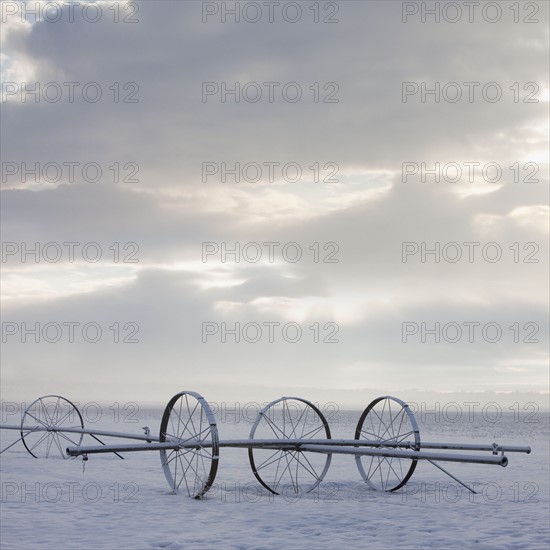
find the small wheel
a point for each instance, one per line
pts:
(289, 470)
(189, 419)
(390, 423)
(42, 426)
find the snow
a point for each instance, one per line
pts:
(115, 503)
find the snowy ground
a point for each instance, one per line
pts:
(126, 503)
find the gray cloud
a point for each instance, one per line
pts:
(368, 214)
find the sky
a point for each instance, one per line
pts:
(347, 301)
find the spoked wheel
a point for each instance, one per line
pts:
(390, 423)
(188, 419)
(289, 471)
(43, 423)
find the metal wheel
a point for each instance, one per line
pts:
(42, 426)
(189, 419)
(289, 471)
(389, 422)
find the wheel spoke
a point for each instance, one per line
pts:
(45, 412)
(176, 454)
(38, 420)
(305, 422)
(191, 423)
(49, 414)
(311, 469)
(401, 423)
(277, 470)
(190, 464)
(383, 424)
(402, 437)
(48, 447)
(62, 419)
(288, 468)
(58, 445)
(268, 461)
(274, 427)
(289, 418)
(369, 475)
(315, 431)
(66, 437)
(390, 422)
(46, 434)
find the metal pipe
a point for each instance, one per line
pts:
(13, 427)
(370, 443)
(122, 435)
(474, 447)
(253, 443)
(122, 448)
(285, 445)
(496, 460)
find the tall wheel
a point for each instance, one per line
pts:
(188, 419)
(390, 423)
(42, 426)
(287, 470)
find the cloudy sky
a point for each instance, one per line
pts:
(162, 120)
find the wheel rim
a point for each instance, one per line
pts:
(289, 471)
(389, 422)
(189, 419)
(42, 426)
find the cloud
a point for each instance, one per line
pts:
(351, 202)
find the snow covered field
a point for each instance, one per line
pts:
(117, 503)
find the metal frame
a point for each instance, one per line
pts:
(388, 428)
(192, 435)
(189, 444)
(297, 468)
(49, 412)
